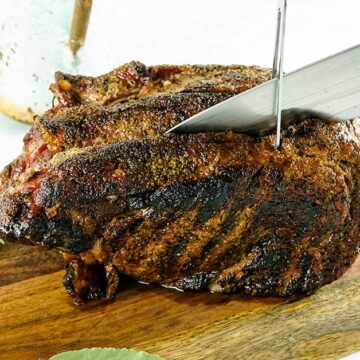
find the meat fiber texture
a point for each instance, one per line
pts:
(99, 180)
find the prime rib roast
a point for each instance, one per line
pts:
(99, 180)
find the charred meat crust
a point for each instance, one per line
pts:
(85, 122)
(224, 211)
(89, 125)
(135, 80)
(98, 181)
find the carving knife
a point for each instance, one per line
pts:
(327, 89)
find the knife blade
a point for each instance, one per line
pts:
(327, 89)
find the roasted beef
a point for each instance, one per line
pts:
(100, 181)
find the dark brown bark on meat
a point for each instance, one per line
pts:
(221, 211)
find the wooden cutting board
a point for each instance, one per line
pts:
(37, 320)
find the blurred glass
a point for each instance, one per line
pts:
(33, 46)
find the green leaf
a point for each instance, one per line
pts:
(105, 354)
(2, 242)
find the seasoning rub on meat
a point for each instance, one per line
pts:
(100, 181)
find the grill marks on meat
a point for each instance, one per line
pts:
(224, 211)
(221, 211)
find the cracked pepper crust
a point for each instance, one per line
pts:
(221, 211)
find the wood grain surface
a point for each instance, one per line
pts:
(37, 320)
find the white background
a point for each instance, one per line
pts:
(204, 31)
(201, 31)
